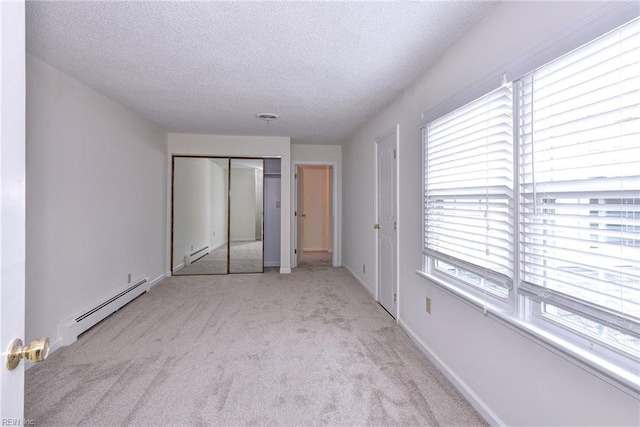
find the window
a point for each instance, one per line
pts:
(579, 138)
(558, 222)
(469, 193)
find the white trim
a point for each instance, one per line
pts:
(622, 379)
(178, 268)
(316, 250)
(285, 271)
(220, 245)
(350, 271)
(602, 19)
(157, 280)
(478, 404)
(336, 223)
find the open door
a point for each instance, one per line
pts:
(12, 203)
(299, 212)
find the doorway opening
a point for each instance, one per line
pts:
(314, 220)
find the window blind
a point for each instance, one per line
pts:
(579, 171)
(468, 200)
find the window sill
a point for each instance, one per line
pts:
(625, 380)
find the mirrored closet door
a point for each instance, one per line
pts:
(217, 215)
(246, 216)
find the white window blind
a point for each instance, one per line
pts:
(579, 141)
(469, 191)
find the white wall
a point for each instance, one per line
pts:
(332, 155)
(96, 200)
(259, 191)
(317, 225)
(219, 201)
(243, 146)
(193, 207)
(518, 381)
(243, 204)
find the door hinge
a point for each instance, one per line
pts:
(295, 251)
(295, 213)
(296, 176)
(395, 225)
(395, 297)
(394, 153)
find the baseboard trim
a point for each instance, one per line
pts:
(285, 271)
(178, 267)
(272, 263)
(316, 250)
(213, 248)
(478, 404)
(346, 267)
(157, 280)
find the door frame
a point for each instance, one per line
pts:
(336, 221)
(394, 130)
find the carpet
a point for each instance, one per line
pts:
(308, 348)
(246, 257)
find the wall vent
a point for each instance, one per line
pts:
(72, 328)
(194, 256)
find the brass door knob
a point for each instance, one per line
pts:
(376, 226)
(37, 351)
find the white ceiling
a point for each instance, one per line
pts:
(210, 67)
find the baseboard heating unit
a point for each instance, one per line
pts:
(194, 256)
(72, 328)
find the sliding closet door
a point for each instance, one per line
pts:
(246, 212)
(200, 215)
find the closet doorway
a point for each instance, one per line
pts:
(217, 215)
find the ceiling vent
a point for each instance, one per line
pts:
(267, 117)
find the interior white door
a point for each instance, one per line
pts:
(12, 203)
(299, 214)
(386, 226)
(272, 198)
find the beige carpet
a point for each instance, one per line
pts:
(246, 257)
(305, 349)
(312, 259)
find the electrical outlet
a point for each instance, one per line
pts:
(364, 268)
(428, 305)
(129, 278)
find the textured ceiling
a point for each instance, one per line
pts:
(210, 67)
